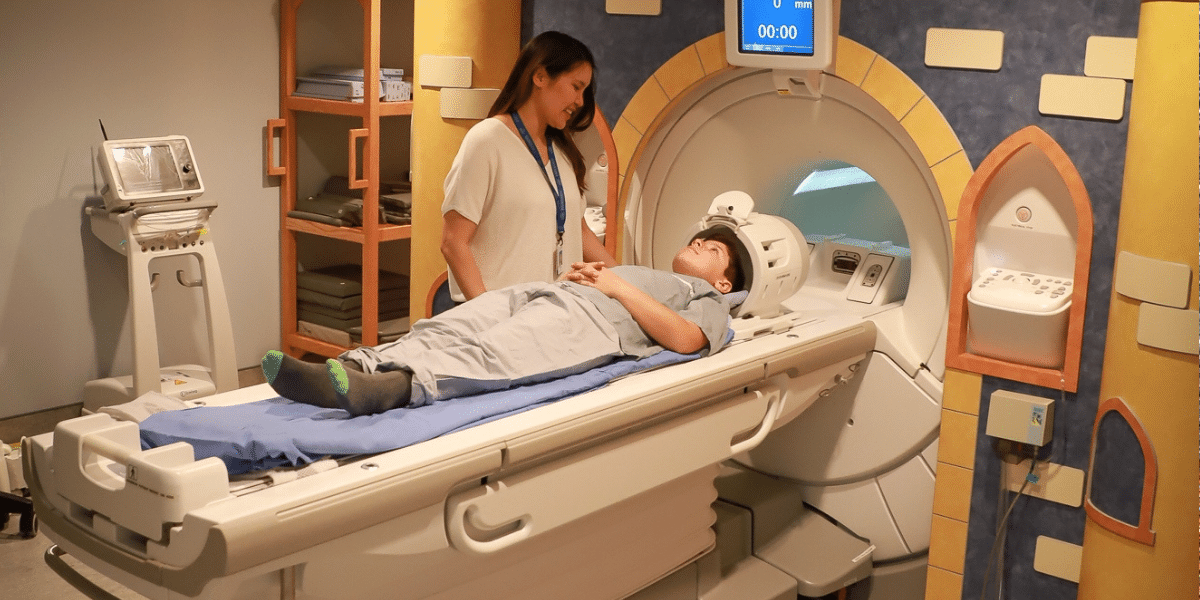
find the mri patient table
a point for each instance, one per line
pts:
(593, 496)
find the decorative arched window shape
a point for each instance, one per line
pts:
(1140, 531)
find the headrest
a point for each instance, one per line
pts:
(772, 254)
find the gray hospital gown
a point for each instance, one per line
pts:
(534, 332)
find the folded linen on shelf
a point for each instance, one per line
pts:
(389, 330)
(345, 208)
(342, 281)
(386, 298)
(342, 324)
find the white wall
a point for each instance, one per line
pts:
(208, 70)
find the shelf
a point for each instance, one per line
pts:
(387, 233)
(377, 144)
(340, 107)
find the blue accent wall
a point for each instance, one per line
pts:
(983, 108)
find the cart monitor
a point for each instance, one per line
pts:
(148, 171)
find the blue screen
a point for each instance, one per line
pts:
(776, 27)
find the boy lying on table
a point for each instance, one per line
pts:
(531, 332)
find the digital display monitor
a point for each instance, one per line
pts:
(776, 27)
(786, 35)
(148, 171)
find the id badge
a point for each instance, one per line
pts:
(558, 257)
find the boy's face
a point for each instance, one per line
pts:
(706, 259)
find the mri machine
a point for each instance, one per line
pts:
(798, 460)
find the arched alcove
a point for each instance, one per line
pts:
(1028, 167)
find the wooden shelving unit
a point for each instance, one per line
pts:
(363, 171)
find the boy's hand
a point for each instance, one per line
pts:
(597, 276)
(580, 271)
(663, 325)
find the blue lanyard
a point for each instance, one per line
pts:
(560, 201)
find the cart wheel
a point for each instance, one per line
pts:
(32, 530)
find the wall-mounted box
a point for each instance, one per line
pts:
(1020, 418)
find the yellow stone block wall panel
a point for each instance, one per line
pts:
(929, 129)
(952, 175)
(892, 88)
(853, 61)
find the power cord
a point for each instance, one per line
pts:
(1001, 532)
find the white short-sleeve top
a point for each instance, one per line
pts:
(495, 183)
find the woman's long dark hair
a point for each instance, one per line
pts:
(558, 53)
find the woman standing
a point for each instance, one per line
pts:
(513, 208)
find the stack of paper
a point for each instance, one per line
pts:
(346, 83)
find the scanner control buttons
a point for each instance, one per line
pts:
(1021, 289)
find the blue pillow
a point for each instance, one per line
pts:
(736, 299)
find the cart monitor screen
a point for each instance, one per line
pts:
(149, 170)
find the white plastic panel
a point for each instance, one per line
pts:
(1056, 483)
(504, 513)
(861, 508)
(633, 7)
(1026, 219)
(878, 419)
(930, 454)
(1058, 558)
(908, 491)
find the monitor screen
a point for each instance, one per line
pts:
(784, 35)
(776, 27)
(149, 171)
(146, 168)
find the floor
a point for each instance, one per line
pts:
(24, 573)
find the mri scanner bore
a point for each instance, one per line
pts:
(854, 229)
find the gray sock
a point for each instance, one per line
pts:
(360, 393)
(297, 380)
